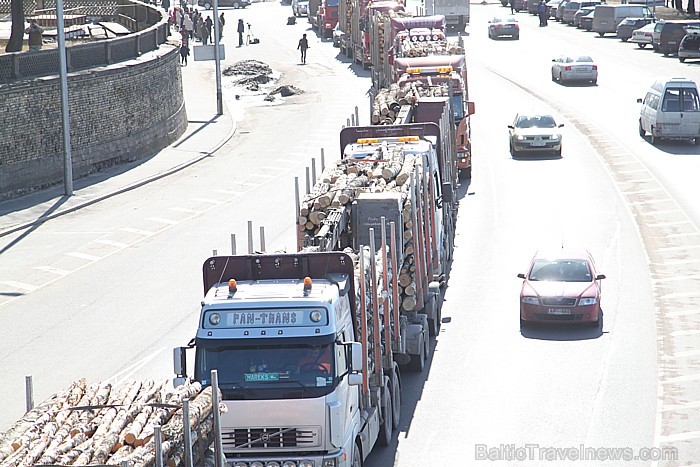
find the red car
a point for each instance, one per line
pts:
(561, 286)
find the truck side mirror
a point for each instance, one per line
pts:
(180, 361)
(356, 356)
(355, 379)
(471, 110)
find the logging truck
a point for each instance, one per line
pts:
(438, 68)
(456, 12)
(309, 346)
(323, 16)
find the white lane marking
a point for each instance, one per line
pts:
(682, 234)
(661, 224)
(270, 167)
(680, 436)
(687, 405)
(137, 231)
(653, 201)
(681, 379)
(229, 192)
(642, 192)
(207, 200)
(20, 285)
(653, 213)
(685, 333)
(672, 248)
(678, 278)
(250, 184)
(85, 256)
(692, 293)
(187, 210)
(127, 372)
(52, 270)
(674, 314)
(163, 220)
(112, 243)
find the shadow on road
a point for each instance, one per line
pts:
(562, 332)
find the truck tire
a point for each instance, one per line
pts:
(356, 455)
(386, 430)
(396, 397)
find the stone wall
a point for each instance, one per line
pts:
(119, 113)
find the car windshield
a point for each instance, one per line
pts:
(260, 371)
(560, 270)
(582, 58)
(535, 121)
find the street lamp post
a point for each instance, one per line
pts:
(217, 59)
(63, 73)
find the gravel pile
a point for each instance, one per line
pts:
(284, 91)
(248, 67)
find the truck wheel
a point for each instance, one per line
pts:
(356, 456)
(387, 428)
(434, 324)
(396, 396)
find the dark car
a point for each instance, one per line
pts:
(209, 4)
(629, 25)
(587, 21)
(519, 5)
(561, 286)
(558, 15)
(580, 13)
(690, 45)
(569, 13)
(668, 35)
(500, 26)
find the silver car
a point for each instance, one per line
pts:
(643, 35)
(574, 68)
(533, 132)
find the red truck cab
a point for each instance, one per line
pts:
(327, 17)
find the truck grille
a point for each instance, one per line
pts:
(270, 438)
(559, 301)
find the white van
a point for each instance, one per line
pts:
(671, 110)
(606, 18)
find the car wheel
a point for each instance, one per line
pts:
(516, 37)
(623, 39)
(599, 321)
(652, 139)
(641, 46)
(594, 82)
(601, 34)
(560, 80)
(207, 6)
(642, 133)
(682, 60)
(558, 152)
(236, 5)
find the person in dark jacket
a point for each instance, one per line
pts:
(303, 46)
(36, 37)
(542, 13)
(241, 30)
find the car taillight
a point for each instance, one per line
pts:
(567, 68)
(595, 67)
(496, 26)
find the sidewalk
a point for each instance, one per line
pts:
(206, 133)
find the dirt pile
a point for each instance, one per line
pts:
(253, 72)
(284, 91)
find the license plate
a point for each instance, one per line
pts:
(558, 311)
(581, 70)
(538, 142)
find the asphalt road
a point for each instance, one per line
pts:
(131, 292)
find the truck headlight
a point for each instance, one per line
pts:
(257, 464)
(587, 301)
(531, 300)
(272, 464)
(289, 464)
(214, 319)
(306, 463)
(240, 464)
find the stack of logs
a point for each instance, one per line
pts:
(104, 424)
(381, 25)
(388, 101)
(426, 48)
(389, 169)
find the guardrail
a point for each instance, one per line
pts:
(149, 22)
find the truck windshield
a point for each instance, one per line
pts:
(332, 3)
(269, 371)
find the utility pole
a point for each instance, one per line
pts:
(217, 59)
(63, 73)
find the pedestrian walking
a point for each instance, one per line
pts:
(36, 35)
(222, 22)
(188, 25)
(208, 24)
(512, 6)
(241, 30)
(303, 46)
(184, 53)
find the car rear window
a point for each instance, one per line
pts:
(567, 270)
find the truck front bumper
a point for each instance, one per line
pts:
(331, 459)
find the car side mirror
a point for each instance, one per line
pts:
(561, 125)
(639, 100)
(554, 59)
(599, 277)
(521, 275)
(511, 127)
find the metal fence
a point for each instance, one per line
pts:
(150, 26)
